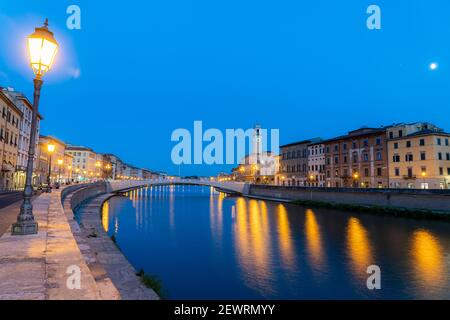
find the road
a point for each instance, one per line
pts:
(9, 209)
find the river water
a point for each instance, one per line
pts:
(205, 245)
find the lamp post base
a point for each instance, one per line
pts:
(24, 228)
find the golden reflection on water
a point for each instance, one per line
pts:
(359, 248)
(428, 259)
(314, 241)
(105, 216)
(216, 214)
(253, 244)
(285, 238)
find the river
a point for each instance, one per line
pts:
(203, 244)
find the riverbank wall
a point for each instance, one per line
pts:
(404, 200)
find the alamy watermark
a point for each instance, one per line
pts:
(73, 281)
(214, 146)
(374, 280)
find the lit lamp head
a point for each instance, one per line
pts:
(355, 175)
(60, 162)
(42, 49)
(50, 148)
(424, 173)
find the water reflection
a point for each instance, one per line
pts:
(359, 248)
(428, 259)
(233, 247)
(284, 237)
(105, 216)
(314, 242)
(253, 246)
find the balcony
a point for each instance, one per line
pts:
(410, 177)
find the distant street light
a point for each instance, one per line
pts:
(42, 48)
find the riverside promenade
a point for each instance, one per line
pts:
(44, 266)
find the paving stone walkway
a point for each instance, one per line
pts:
(34, 267)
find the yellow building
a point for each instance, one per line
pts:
(59, 165)
(85, 163)
(419, 156)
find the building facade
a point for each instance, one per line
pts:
(358, 159)
(316, 165)
(84, 163)
(25, 106)
(9, 140)
(419, 156)
(293, 163)
(57, 160)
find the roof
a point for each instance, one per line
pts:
(310, 141)
(16, 95)
(357, 133)
(426, 132)
(52, 138)
(71, 147)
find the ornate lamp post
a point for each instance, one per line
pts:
(42, 49)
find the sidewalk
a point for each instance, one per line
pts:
(35, 266)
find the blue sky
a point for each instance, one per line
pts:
(138, 70)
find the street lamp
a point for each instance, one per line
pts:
(42, 48)
(50, 149)
(424, 174)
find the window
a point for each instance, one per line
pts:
(336, 148)
(397, 172)
(366, 143)
(422, 142)
(344, 146)
(410, 172)
(336, 160)
(439, 142)
(379, 156)
(409, 157)
(378, 141)
(391, 135)
(366, 157)
(448, 156)
(345, 159)
(440, 155)
(448, 171)
(446, 142)
(441, 171)
(396, 158)
(400, 133)
(408, 144)
(366, 172)
(396, 145)
(379, 172)
(423, 156)
(336, 173)
(354, 144)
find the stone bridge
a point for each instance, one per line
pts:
(240, 188)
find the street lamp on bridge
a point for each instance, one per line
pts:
(42, 49)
